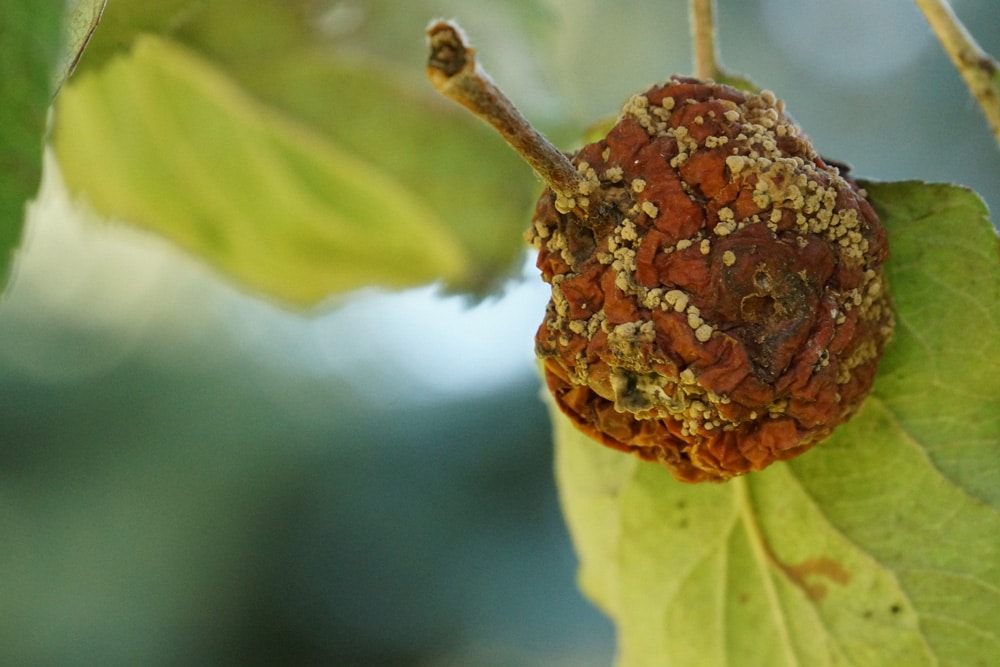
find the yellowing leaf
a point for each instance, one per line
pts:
(165, 140)
(881, 546)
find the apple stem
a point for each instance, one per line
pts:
(453, 70)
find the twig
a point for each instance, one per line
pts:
(977, 68)
(452, 69)
(706, 54)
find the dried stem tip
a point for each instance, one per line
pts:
(452, 69)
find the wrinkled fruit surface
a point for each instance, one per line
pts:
(717, 293)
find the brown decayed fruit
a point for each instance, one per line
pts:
(717, 301)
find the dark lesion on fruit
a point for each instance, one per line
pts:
(628, 396)
(580, 241)
(609, 207)
(776, 319)
(765, 299)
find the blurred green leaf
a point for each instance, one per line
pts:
(452, 162)
(164, 139)
(237, 30)
(39, 43)
(442, 162)
(126, 20)
(879, 547)
(81, 19)
(29, 46)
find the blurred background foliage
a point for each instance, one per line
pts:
(191, 473)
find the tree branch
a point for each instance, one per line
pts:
(979, 70)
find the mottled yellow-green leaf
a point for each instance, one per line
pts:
(881, 546)
(164, 139)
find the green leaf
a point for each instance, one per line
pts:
(382, 114)
(40, 43)
(442, 155)
(164, 139)
(738, 81)
(81, 19)
(29, 47)
(126, 20)
(881, 546)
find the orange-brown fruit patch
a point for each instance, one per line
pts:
(717, 301)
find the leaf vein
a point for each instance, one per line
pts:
(765, 569)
